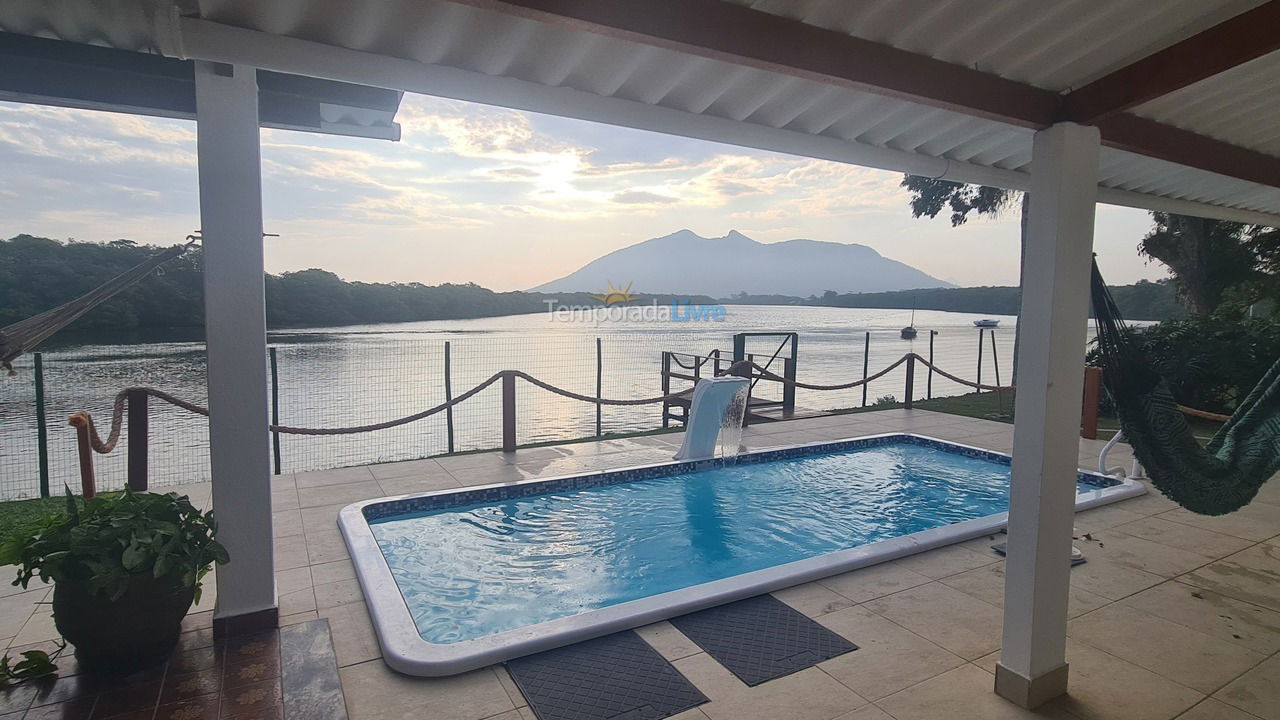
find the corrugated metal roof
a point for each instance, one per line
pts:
(1057, 47)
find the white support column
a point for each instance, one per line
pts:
(1052, 326)
(235, 333)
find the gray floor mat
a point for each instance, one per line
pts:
(616, 677)
(761, 638)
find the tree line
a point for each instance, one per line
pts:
(39, 273)
(1144, 300)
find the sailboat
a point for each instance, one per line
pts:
(909, 332)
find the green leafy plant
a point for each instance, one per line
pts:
(109, 540)
(35, 664)
(885, 401)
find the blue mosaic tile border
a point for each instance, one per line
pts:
(391, 508)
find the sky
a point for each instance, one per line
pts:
(502, 198)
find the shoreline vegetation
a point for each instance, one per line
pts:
(39, 273)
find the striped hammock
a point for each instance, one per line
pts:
(1215, 479)
(24, 335)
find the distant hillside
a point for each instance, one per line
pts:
(1142, 301)
(684, 262)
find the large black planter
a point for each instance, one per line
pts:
(135, 632)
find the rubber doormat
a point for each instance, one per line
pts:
(761, 638)
(615, 677)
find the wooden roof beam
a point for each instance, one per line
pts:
(1245, 37)
(742, 36)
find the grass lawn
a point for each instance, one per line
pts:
(998, 406)
(20, 513)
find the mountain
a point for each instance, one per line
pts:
(684, 262)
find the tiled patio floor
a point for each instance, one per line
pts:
(1174, 614)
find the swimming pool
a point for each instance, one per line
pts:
(460, 579)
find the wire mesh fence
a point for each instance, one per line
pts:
(326, 382)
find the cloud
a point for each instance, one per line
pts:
(640, 197)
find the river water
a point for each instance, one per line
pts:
(364, 374)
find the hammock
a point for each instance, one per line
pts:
(25, 335)
(1216, 479)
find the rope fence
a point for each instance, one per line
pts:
(131, 401)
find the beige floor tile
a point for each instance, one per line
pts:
(298, 618)
(410, 468)
(343, 494)
(668, 641)
(987, 584)
(471, 461)
(965, 693)
(286, 522)
(293, 579)
(1111, 580)
(332, 572)
(1184, 537)
(1153, 503)
(1217, 615)
(16, 609)
(284, 481)
(807, 695)
(813, 599)
(889, 657)
(38, 628)
(323, 517)
(325, 546)
(284, 499)
(1107, 516)
(1257, 691)
(1211, 709)
(945, 616)
(342, 592)
(417, 484)
(509, 685)
(872, 582)
(866, 712)
(374, 692)
(290, 552)
(1256, 521)
(489, 475)
(1135, 552)
(298, 601)
(1252, 575)
(354, 640)
(1104, 687)
(945, 561)
(337, 476)
(1174, 651)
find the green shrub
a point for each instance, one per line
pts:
(1210, 363)
(107, 540)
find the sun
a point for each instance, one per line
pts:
(616, 296)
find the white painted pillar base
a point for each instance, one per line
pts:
(1052, 329)
(230, 170)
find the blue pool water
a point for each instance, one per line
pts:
(474, 570)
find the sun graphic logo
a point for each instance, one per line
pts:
(616, 296)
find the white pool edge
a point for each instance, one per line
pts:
(404, 649)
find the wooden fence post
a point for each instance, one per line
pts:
(508, 412)
(448, 395)
(929, 380)
(42, 431)
(911, 380)
(981, 332)
(788, 390)
(275, 409)
(666, 388)
(866, 358)
(88, 486)
(1089, 413)
(138, 441)
(599, 388)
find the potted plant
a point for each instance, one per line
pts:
(125, 568)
